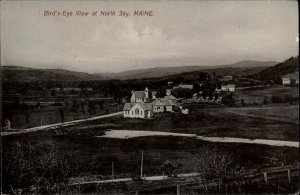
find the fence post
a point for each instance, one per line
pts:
(266, 177)
(289, 175)
(178, 189)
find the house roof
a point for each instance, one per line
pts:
(170, 97)
(161, 102)
(128, 106)
(145, 106)
(139, 94)
(186, 86)
(294, 75)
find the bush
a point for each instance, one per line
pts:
(28, 169)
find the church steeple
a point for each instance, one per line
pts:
(146, 93)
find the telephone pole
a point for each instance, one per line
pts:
(142, 163)
(112, 170)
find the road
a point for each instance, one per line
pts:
(57, 125)
(127, 134)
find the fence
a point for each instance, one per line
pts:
(281, 173)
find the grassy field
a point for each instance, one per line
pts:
(258, 94)
(219, 121)
(50, 115)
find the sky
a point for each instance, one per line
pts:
(180, 33)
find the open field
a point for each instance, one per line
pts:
(34, 117)
(218, 121)
(258, 94)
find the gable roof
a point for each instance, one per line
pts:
(170, 97)
(139, 94)
(145, 106)
(161, 102)
(128, 106)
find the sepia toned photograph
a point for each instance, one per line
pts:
(149, 97)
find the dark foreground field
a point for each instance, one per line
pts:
(90, 158)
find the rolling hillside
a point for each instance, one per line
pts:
(289, 66)
(166, 71)
(22, 74)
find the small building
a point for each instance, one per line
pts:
(185, 111)
(286, 81)
(162, 105)
(168, 92)
(228, 87)
(170, 84)
(153, 93)
(139, 96)
(290, 79)
(138, 110)
(227, 78)
(185, 86)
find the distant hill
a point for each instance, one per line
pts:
(23, 74)
(166, 71)
(236, 71)
(290, 66)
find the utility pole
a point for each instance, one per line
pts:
(112, 170)
(142, 163)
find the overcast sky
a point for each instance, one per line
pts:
(180, 33)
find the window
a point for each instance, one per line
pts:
(137, 111)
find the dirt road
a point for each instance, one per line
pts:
(57, 125)
(127, 134)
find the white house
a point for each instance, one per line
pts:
(286, 81)
(139, 96)
(162, 105)
(184, 86)
(228, 87)
(138, 110)
(289, 79)
(153, 93)
(168, 92)
(227, 78)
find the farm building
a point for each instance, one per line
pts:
(227, 78)
(153, 93)
(286, 81)
(184, 86)
(138, 110)
(139, 96)
(168, 92)
(290, 79)
(228, 87)
(162, 105)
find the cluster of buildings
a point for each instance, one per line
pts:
(290, 79)
(142, 105)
